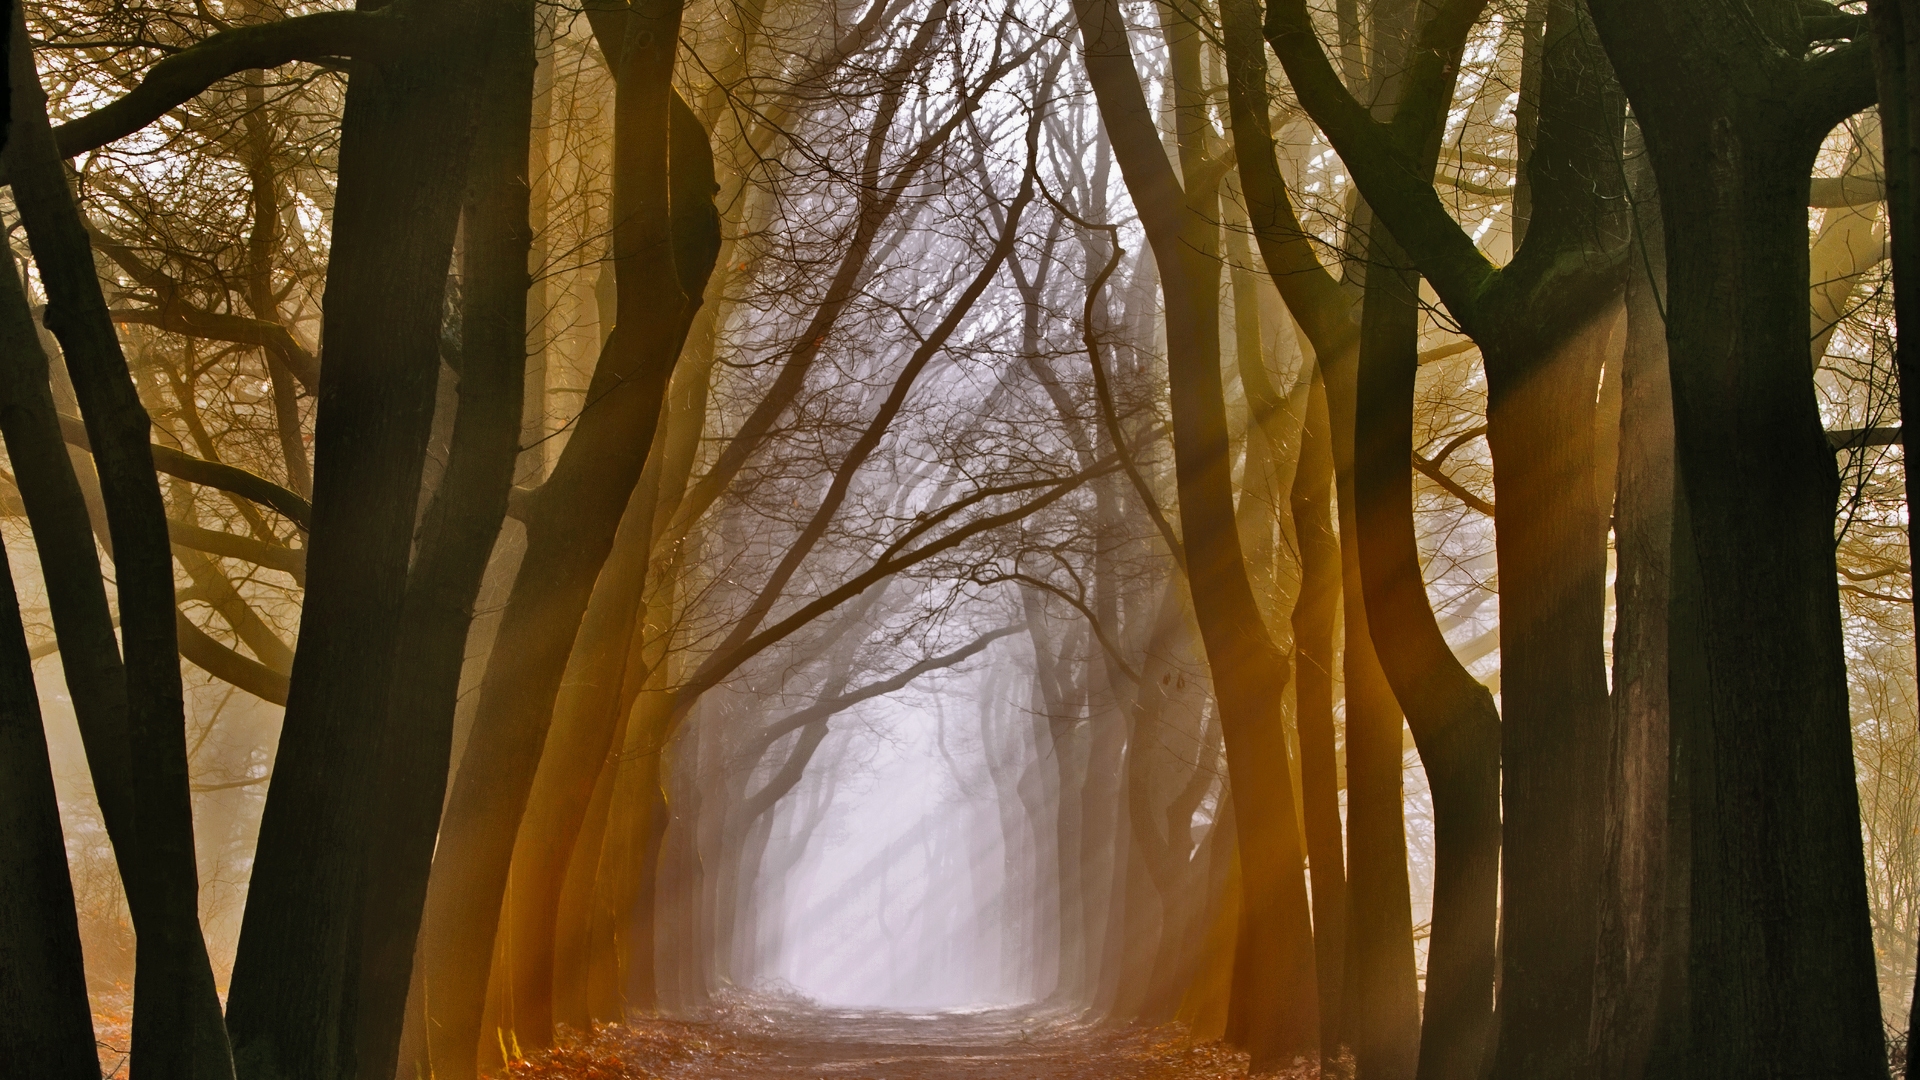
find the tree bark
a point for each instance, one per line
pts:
(1633, 941)
(1453, 718)
(1314, 615)
(70, 565)
(1896, 54)
(455, 540)
(294, 1005)
(1779, 924)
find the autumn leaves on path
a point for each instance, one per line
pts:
(766, 1039)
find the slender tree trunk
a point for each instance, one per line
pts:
(574, 961)
(1452, 716)
(1896, 53)
(587, 715)
(626, 893)
(1383, 1026)
(1632, 931)
(1100, 829)
(1314, 615)
(617, 867)
(1275, 981)
(46, 1023)
(63, 535)
(178, 1031)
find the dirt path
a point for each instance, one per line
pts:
(760, 1040)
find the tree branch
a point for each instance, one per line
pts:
(287, 560)
(1093, 622)
(213, 474)
(207, 654)
(1379, 156)
(184, 75)
(884, 567)
(820, 710)
(1433, 472)
(1861, 438)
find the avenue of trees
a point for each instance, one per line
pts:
(1395, 509)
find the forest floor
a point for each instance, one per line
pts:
(770, 1039)
(776, 1038)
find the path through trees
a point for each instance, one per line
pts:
(958, 538)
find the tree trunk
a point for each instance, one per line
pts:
(1274, 969)
(46, 1023)
(1781, 970)
(1632, 939)
(625, 887)
(573, 946)
(178, 1031)
(1896, 54)
(455, 540)
(1314, 615)
(1773, 773)
(296, 1002)
(664, 247)
(63, 536)
(587, 714)
(1442, 700)
(1452, 716)
(1552, 557)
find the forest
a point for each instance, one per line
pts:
(937, 539)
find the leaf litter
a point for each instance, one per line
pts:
(760, 1036)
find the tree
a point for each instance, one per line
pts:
(1767, 756)
(1274, 982)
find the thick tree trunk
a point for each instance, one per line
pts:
(1781, 972)
(46, 1023)
(455, 540)
(1773, 772)
(296, 1001)
(1552, 556)
(1671, 1039)
(178, 1031)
